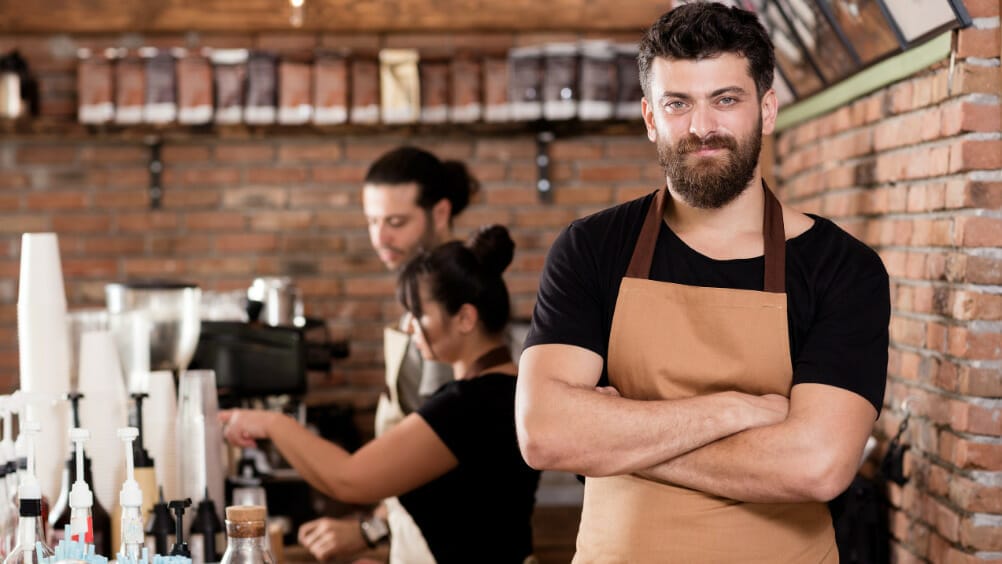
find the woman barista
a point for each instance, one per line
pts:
(454, 463)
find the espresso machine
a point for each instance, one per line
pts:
(264, 362)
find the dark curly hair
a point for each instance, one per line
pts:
(702, 30)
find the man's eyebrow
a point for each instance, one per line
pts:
(725, 90)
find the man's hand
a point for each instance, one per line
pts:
(327, 538)
(770, 409)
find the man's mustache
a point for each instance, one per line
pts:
(692, 143)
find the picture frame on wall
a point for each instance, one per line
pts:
(835, 58)
(865, 27)
(918, 19)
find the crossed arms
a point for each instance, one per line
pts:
(730, 444)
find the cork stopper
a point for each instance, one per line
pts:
(245, 513)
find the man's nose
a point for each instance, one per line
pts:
(701, 122)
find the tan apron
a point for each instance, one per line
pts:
(407, 543)
(672, 341)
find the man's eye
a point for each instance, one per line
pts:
(676, 105)
(396, 221)
(727, 100)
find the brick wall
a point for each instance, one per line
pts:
(235, 209)
(915, 171)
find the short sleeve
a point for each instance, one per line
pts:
(569, 306)
(450, 416)
(846, 345)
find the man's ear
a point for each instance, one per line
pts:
(441, 213)
(648, 112)
(770, 109)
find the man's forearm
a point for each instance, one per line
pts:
(587, 432)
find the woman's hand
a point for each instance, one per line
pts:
(241, 427)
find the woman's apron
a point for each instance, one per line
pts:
(671, 341)
(407, 543)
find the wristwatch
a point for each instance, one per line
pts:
(375, 529)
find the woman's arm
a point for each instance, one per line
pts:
(406, 457)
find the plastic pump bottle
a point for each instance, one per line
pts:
(131, 500)
(81, 498)
(30, 547)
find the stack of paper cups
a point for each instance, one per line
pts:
(200, 438)
(103, 411)
(159, 420)
(44, 350)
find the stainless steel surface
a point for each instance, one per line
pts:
(281, 299)
(162, 317)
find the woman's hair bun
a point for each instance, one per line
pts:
(493, 247)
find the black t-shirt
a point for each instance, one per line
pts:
(480, 511)
(838, 293)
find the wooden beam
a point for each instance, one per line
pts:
(370, 16)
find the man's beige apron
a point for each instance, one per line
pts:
(671, 341)
(407, 543)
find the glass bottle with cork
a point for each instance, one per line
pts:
(245, 534)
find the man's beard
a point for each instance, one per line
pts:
(713, 181)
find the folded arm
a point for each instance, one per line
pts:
(564, 423)
(810, 456)
(370, 474)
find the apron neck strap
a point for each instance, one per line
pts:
(494, 357)
(773, 232)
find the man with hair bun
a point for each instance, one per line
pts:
(710, 359)
(410, 198)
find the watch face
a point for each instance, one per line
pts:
(375, 529)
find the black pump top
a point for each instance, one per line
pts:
(141, 457)
(180, 547)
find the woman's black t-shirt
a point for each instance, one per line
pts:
(838, 293)
(481, 510)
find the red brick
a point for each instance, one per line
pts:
(505, 149)
(115, 154)
(201, 176)
(276, 175)
(975, 419)
(971, 345)
(81, 223)
(215, 221)
(132, 199)
(972, 496)
(10, 202)
(982, 8)
(153, 267)
(46, 154)
(974, 231)
(172, 154)
(90, 268)
(56, 201)
(511, 196)
(11, 179)
(983, 382)
(367, 151)
(320, 152)
(983, 43)
(575, 150)
(353, 174)
(971, 79)
(255, 197)
(215, 266)
(119, 178)
(248, 242)
(479, 215)
(975, 154)
(969, 305)
(203, 198)
(609, 173)
(569, 195)
(112, 245)
(294, 243)
(144, 222)
(544, 217)
(280, 221)
(322, 198)
(183, 245)
(252, 152)
(969, 454)
(370, 286)
(21, 223)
